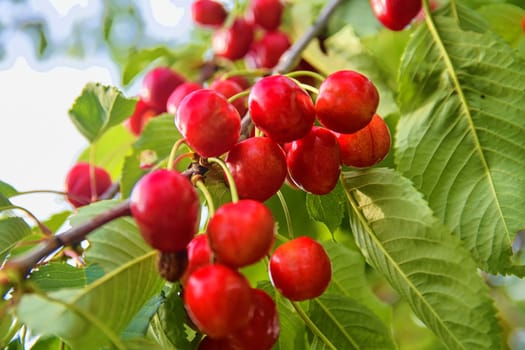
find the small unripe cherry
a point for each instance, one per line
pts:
(241, 233)
(157, 86)
(165, 207)
(347, 101)
(208, 13)
(219, 300)
(300, 269)
(233, 42)
(265, 13)
(367, 146)
(79, 187)
(179, 93)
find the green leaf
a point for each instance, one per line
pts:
(48, 343)
(138, 327)
(55, 221)
(99, 108)
(399, 236)
(140, 60)
(9, 326)
(328, 209)
(505, 19)
(12, 230)
(460, 138)
(54, 275)
(348, 324)
(7, 190)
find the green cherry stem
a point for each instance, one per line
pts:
(308, 322)
(173, 153)
(306, 73)
(309, 88)
(239, 95)
(229, 176)
(287, 215)
(207, 195)
(246, 73)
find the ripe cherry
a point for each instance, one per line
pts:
(219, 300)
(314, 161)
(347, 101)
(367, 146)
(179, 93)
(208, 343)
(262, 331)
(210, 124)
(233, 42)
(199, 254)
(243, 82)
(241, 233)
(229, 88)
(208, 13)
(266, 52)
(265, 13)
(281, 109)
(165, 206)
(395, 14)
(79, 187)
(300, 269)
(158, 85)
(258, 167)
(140, 117)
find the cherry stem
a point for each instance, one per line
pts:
(246, 73)
(229, 176)
(286, 214)
(309, 88)
(45, 230)
(173, 153)
(207, 195)
(316, 331)
(239, 95)
(306, 73)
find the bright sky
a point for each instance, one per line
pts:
(38, 143)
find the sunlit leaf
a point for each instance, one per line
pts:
(12, 230)
(328, 209)
(7, 190)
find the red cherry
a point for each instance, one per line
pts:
(300, 269)
(178, 94)
(266, 52)
(158, 85)
(347, 101)
(367, 146)
(265, 13)
(281, 109)
(523, 23)
(229, 88)
(241, 233)
(258, 167)
(218, 300)
(314, 161)
(208, 13)
(210, 124)
(262, 331)
(395, 14)
(199, 254)
(78, 185)
(208, 343)
(233, 42)
(241, 81)
(165, 206)
(140, 117)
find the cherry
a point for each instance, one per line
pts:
(158, 85)
(395, 14)
(210, 124)
(367, 146)
(241, 233)
(179, 93)
(228, 88)
(265, 13)
(79, 187)
(266, 52)
(258, 167)
(142, 114)
(233, 42)
(166, 209)
(314, 161)
(262, 331)
(208, 13)
(218, 300)
(208, 343)
(241, 81)
(199, 254)
(281, 109)
(347, 101)
(300, 269)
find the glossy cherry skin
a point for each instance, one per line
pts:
(267, 14)
(209, 123)
(229, 88)
(208, 343)
(208, 13)
(179, 93)
(262, 331)
(395, 14)
(78, 184)
(266, 52)
(218, 300)
(199, 254)
(140, 117)
(165, 207)
(241, 233)
(281, 109)
(367, 146)
(157, 86)
(300, 269)
(314, 161)
(258, 167)
(233, 42)
(347, 101)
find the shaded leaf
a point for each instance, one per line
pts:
(12, 230)
(138, 326)
(328, 209)
(54, 275)
(6, 189)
